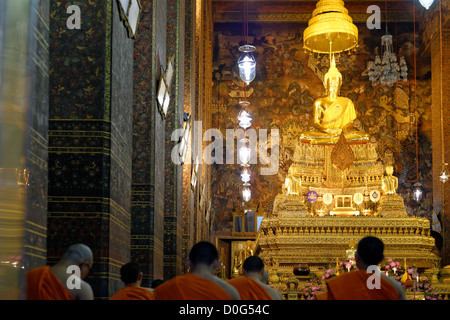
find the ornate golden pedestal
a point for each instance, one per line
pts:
(300, 231)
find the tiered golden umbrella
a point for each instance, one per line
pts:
(331, 29)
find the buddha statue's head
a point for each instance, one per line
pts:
(333, 79)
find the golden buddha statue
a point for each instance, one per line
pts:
(390, 182)
(350, 252)
(292, 184)
(333, 114)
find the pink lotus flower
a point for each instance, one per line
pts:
(341, 263)
(410, 271)
(392, 264)
(387, 267)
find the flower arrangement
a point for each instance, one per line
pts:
(391, 268)
(413, 283)
(312, 288)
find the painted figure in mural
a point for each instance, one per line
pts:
(390, 182)
(333, 114)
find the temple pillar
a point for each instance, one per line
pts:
(147, 213)
(90, 139)
(431, 22)
(173, 263)
(23, 141)
(440, 71)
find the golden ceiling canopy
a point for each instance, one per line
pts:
(330, 25)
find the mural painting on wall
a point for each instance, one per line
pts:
(288, 82)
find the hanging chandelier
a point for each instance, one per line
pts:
(247, 64)
(247, 73)
(387, 70)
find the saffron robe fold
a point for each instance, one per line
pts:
(353, 286)
(42, 284)
(339, 114)
(133, 293)
(249, 289)
(190, 287)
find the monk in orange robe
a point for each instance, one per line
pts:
(356, 285)
(250, 285)
(131, 275)
(51, 283)
(200, 283)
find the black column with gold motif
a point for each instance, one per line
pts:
(90, 138)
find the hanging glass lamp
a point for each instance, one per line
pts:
(245, 175)
(426, 3)
(244, 152)
(417, 193)
(444, 174)
(244, 117)
(246, 194)
(247, 64)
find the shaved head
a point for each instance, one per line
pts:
(77, 254)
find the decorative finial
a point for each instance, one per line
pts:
(333, 72)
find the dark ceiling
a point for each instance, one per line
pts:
(301, 10)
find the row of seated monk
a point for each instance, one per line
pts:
(53, 283)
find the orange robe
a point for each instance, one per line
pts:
(321, 296)
(190, 287)
(42, 284)
(133, 293)
(249, 289)
(353, 286)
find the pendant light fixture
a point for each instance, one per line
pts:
(246, 62)
(246, 194)
(385, 69)
(244, 117)
(417, 191)
(245, 175)
(444, 174)
(244, 151)
(426, 3)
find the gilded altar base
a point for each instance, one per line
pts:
(319, 232)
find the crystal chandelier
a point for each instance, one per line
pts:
(387, 70)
